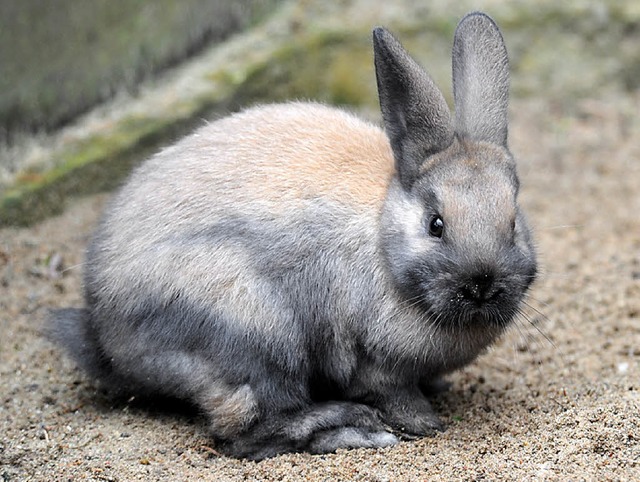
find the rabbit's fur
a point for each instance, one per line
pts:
(281, 269)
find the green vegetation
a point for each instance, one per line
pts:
(333, 67)
(97, 164)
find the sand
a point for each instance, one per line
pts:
(558, 398)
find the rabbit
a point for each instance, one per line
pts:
(303, 276)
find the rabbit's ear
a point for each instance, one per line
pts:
(480, 80)
(416, 116)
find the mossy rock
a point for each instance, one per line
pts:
(95, 165)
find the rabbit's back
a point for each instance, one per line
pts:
(277, 156)
(239, 224)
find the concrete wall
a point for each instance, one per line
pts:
(58, 58)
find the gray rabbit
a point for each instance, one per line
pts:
(302, 276)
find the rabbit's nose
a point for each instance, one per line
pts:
(480, 288)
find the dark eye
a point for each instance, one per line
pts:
(436, 226)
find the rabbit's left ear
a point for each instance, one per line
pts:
(416, 116)
(480, 80)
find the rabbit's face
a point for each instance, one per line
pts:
(456, 241)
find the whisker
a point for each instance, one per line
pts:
(537, 300)
(70, 268)
(535, 325)
(560, 226)
(537, 311)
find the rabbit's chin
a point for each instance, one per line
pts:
(454, 314)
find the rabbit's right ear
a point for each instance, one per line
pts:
(480, 80)
(415, 115)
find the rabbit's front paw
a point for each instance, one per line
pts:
(410, 415)
(350, 437)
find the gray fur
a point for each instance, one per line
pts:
(480, 80)
(415, 114)
(298, 314)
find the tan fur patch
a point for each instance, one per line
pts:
(300, 151)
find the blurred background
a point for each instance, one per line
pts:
(88, 89)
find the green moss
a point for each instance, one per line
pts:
(333, 67)
(95, 165)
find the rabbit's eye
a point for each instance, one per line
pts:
(436, 226)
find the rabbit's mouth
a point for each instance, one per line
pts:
(488, 315)
(460, 297)
(468, 305)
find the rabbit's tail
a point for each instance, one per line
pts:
(70, 328)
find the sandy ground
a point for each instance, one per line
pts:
(557, 399)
